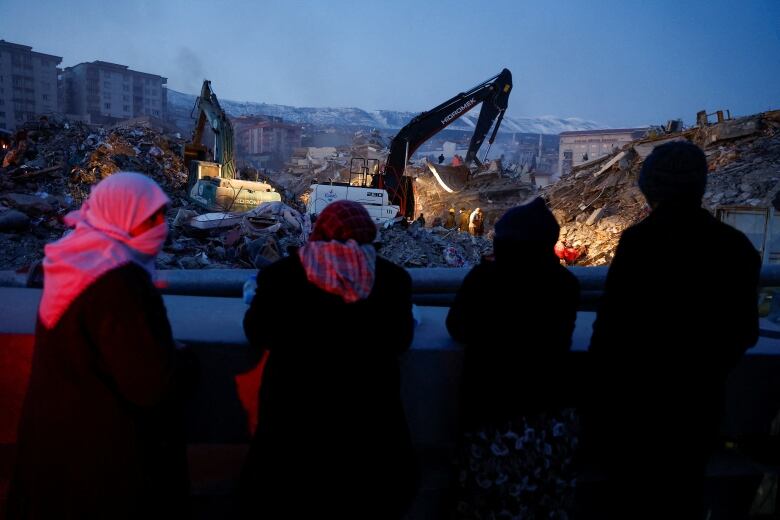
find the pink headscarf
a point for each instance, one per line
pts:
(101, 240)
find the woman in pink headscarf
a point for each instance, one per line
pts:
(331, 429)
(100, 435)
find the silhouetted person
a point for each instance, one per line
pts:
(450, 222)
(515, 315)
(669, 329)
(463, 217)
(331, 427)
(441, 158)
(421, 220)
(477, 222)
(102, 433)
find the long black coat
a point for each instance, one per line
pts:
(679, 310)
(331, 427)
(515, 317)
(100, 434)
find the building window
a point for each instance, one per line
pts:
(2, 114)
(107, 106)
(126, 108)
(45, 97)
(156, 112)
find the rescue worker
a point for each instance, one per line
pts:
(450, 222)
(477, 222)
(464, 220)
(441, 158)
(421, 220)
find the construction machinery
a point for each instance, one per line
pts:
(212, 183)
(494, 96)
(392, 186)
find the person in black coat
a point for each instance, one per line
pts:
(101, 434)
(331, 427)
(515, 315)
(670, 327)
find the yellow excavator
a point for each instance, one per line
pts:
(212, 183)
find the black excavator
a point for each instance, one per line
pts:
(494, 96)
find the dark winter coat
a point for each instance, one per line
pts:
(515, 316)
(101, 434)
(331, 427)
(679, 310)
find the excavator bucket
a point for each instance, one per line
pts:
(452, 179)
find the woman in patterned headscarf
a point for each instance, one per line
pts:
(331, 429)
(99, 435)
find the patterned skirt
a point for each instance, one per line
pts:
(522, 470)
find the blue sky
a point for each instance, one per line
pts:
(617, 62)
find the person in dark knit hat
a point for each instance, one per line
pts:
(515, 316)
(331, 427)
(670, 327)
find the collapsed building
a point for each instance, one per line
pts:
(597, 200)
(50, 167)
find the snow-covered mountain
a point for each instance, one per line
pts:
(180, 106)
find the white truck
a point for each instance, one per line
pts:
(374, 200)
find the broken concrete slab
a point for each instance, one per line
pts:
(12, 220)
(28, 203)
(733, 129)
(218, 220)
(595, 216)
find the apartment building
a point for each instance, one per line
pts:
(103, 92)
(266, 139)
(28, 84)
(579, 147)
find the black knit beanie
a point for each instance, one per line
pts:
(674, 173)
(531, 222)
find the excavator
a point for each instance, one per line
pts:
(392, 191)
(213, 185)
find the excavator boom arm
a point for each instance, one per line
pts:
(494, 96)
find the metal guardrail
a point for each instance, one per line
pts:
(434, 286)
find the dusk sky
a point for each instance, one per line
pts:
(616, 62)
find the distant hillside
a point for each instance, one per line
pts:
(180, 105)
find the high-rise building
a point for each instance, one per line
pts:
(104, 92)
(28, 84)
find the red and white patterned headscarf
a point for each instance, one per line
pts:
(101, 240)
(339, 257)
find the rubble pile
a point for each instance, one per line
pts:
(599, 199)
(59, 161)
(51, 166)
(414, 246)
(329, 164)
(492, 189)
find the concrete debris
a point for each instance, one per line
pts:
(597, 201)
(491, 188)
(431, 247)
(12, 220)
